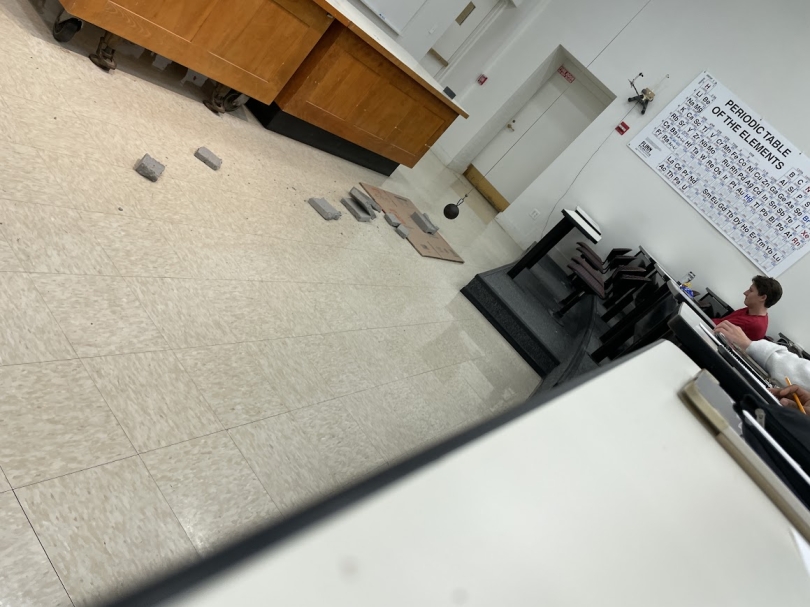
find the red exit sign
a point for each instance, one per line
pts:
(565, 74)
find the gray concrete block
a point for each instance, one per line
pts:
(363, 203)
(209, 158)
(325, 210)
(358, 212)
(432, 225)
(424, 223)
(402, 231)
(149, 168)
(365, 200)
(392, 220)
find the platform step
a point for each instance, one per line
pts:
(522, 311)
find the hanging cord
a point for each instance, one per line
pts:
(559, 200)
(630, 111)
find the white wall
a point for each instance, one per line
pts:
(455, 35)
(462, 76)
(373, 16)
(427, 25)
(431, 64)
(583, 27)
(754, 47)
(567, 117)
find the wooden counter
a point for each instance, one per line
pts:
(255, 49)
(361, 96)
(373, 35)
(348, 89)
(320, 71)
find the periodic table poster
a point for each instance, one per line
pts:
(735, 169)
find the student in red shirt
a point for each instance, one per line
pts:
(753, 318)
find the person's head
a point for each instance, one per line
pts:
(763, 291)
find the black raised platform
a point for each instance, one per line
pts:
(521, 311)
(275, 119)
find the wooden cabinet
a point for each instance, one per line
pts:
(351, 90)
(253, 46)
(339, 74)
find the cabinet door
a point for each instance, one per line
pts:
(266, 38)
(253, 46)
(348, 88)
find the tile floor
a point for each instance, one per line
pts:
(183, 361)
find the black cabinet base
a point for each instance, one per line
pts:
(522, 312)
(275, 119)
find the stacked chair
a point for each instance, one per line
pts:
(608, 279)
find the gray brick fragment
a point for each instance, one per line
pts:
(365, 200)
(424, 223)
(209, 158)
(402, 231)
(392, 220)
(365, 206)
(325, 210)
(149, 168)
(358, 212)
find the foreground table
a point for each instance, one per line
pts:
(611, 493)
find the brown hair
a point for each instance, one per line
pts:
(769, 287)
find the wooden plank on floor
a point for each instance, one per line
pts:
(428, 245)
(486, 189)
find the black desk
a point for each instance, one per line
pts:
(646, 254)
(710, 297)
(661, 329)
(737, 376)
(619, 333)
(614, 307)
(570, 220)
(748, 386)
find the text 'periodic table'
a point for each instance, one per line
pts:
(736, 170)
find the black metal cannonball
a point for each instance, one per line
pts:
(451, 211)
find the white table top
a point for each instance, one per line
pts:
(583, 225)
(589, 219)
(353, 18)
(611, 494)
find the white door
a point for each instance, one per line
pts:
(456, 34)
(546, 125)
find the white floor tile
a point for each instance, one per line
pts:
(26, 575)
(106, 529)
(153, 397)
(212, 490)
(256, 356)
(54, 422)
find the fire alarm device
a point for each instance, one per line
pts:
(622, 128)
(482, 79)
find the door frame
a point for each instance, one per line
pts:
(519, 99)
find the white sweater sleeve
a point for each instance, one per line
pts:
(780, 363)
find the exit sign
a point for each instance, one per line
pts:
(565, 74)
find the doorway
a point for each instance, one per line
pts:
(568, 100)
